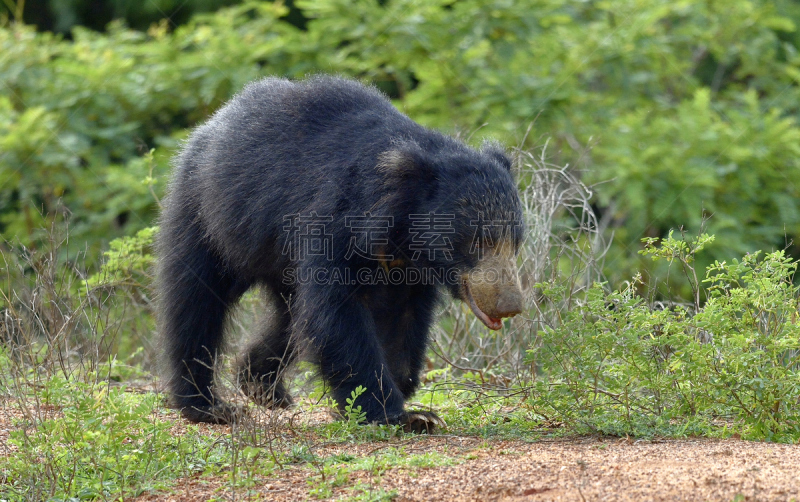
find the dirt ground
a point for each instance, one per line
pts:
(576, 469)
(572, 469)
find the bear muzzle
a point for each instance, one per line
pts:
(509, 303)
(492, 289)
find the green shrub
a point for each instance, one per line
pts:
(681, 111)
(620, 365)
(92, 441)
(78, 118)
(129, 262)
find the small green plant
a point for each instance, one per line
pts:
(331, 476)
(352, 425)
(681, 250)
(352, 413)
(301, 454)
(128, 261)
(363, 492)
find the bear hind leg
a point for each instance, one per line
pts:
(262, 368)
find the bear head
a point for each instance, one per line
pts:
(469, 201)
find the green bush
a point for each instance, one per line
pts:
(101, 442)
(129, 262)
(78, 118)
(621, 365)
(681, 111)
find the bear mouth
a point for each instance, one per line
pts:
(491, 322)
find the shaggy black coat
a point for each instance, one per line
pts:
(330, 148)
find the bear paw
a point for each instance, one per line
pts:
(217, 413)
(420, 422)
(272, 396)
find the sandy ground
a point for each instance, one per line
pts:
(572, 469)
(577, 469)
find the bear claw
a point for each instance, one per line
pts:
(421, 422)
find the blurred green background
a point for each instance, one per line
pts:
(681, 114)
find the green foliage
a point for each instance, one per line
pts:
(619, 365)
(729, 163)
(77, 118)
(128, 262)
(752, 313)
(682, 251)
(102, 442)
(684, 110)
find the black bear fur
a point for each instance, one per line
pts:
(332, 147)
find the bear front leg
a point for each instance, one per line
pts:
(343, 335)
(406, 339)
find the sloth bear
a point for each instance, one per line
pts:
(353, 220)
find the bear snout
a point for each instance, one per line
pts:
(509, 303)
(494, 287)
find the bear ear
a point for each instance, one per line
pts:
(494, 150)
(405, 162)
